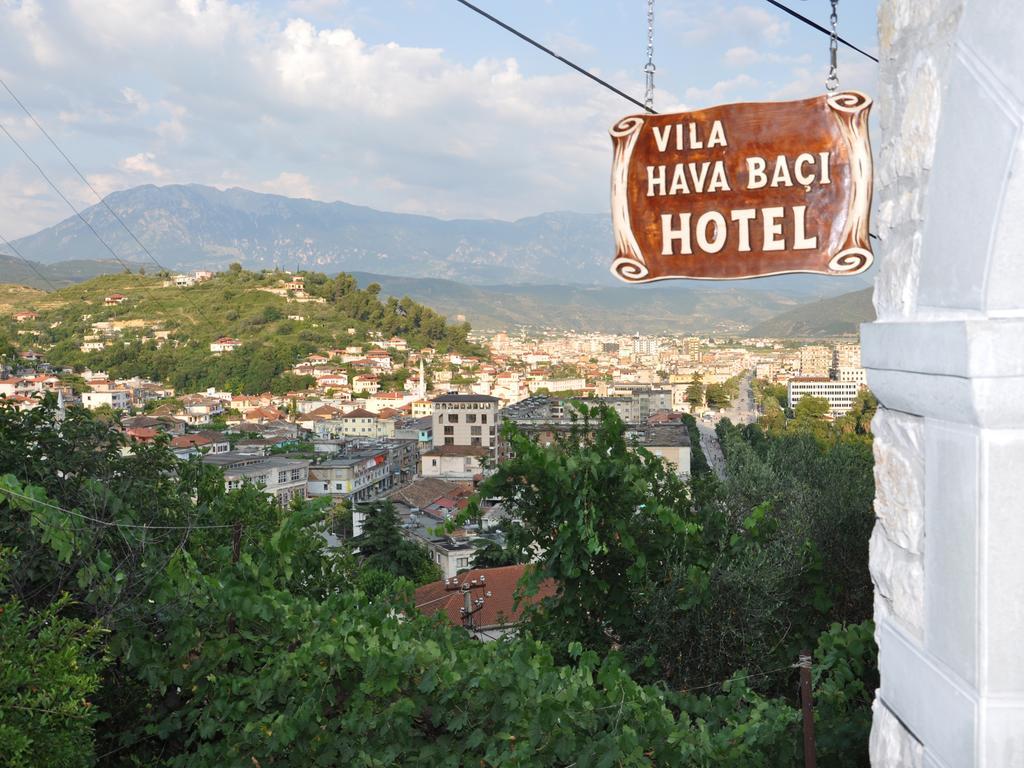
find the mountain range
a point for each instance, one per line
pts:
(546, 271)
(194, 226)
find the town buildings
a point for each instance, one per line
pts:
(840, 394)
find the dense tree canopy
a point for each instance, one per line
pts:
(175, 624)
(275, 333)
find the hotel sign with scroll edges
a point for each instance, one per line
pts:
(744, 190)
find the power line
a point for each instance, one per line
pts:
(551, 53)
(87, 183)
(28, 263)
(85, 221)
(815, 25)
(612, 88)
(109, 523)
(737, 679)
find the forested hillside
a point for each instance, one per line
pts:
(275, 330)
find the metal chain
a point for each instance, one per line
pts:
(649, 66)
(832, 81)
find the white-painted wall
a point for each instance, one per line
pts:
(946, 359)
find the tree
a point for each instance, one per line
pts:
(49, 666)
(492, 555)
(858, 420)
(383, 547)
(605, 518)
(274, 651)
(773, 418)
(717, 396)
(695, 391)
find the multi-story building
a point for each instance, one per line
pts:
(118, 398)
(281, 478)
(465, 432)
(692, 347)
(224, 344)
(669, 441)
(856, 375)
(846, 356)
(358, 474)
(465, 420)
(815, 360)
(840, 394)
(645, 345)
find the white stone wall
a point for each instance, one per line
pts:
(946, 359)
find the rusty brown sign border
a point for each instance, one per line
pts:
(853, 256)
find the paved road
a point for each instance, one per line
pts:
(712, 450)
(742, 411)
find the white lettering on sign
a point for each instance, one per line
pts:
(711, 176)
(688, 136)
(712, 231)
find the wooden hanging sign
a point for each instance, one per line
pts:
(744, 190)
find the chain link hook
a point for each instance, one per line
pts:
(832, 81)
(649, 66)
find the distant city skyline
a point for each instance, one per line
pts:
(415, 105)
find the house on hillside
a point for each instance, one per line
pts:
(482, 600)
(21, 317)
(224, 344)
(114, 299)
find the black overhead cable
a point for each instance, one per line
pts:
(99, 197)
(615, 90)
(554, 55)
(78, 213)
(815, 25)
(28, 263)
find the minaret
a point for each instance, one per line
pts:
(421, 390)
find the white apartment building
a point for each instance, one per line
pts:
(281, 478)
(120, 399)
(840, 394)
(645, 345)
(465, 432)
(558, 385)
(856, 375)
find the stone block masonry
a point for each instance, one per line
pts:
(946, 359)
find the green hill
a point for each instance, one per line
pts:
(838, 316)
(61, 274)
(274, 331)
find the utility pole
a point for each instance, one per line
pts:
(810, 751)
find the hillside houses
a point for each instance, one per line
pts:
(224, 344)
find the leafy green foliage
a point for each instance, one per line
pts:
(382, 547)
(238, 304)
(287, 654)
(48, 669)
(605, 517)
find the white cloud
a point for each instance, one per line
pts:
(289, 185)
(744, 56)
(701, 20)
(720, 91)
(144, 163)
(225, 93)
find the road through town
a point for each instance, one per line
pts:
(742, 411)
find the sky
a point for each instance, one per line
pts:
(418, 106)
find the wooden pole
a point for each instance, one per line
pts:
(810, 751)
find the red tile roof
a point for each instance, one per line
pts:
(499, 609)
(360, 413)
